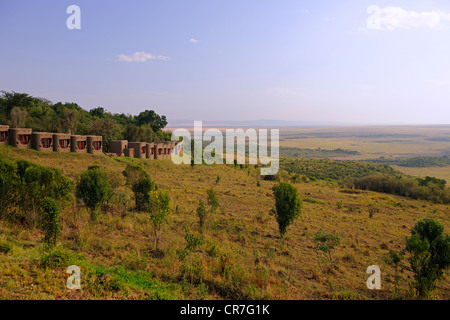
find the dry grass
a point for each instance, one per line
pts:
(241, 256)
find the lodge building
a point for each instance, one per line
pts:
(25, 138)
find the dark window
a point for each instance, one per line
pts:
(143, 150)
(97, 145)
(64, 143)
(3, 136)
(46, 142)
(24, 138)
(159, 151)
(81, 145)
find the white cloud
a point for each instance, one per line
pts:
(192, 40)
(141, 57)
(392, 18)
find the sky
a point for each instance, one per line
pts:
(349, 61)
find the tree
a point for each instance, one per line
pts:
(394, 259)
(288, 205)
(18, 117)
(141, 189)
(212, 200)
(36, 183)
(159, 208)
(98, 112)
(107, 128)
(133, 173)
(50, 221)
(150, 118)
(429, 250)
(327, 242)
(202, 214)
(8, 186)
(94, 189)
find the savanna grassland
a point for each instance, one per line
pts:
(373, 143)
(241, 255)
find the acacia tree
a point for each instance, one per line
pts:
(288, 205)
(429, 250)
(327, 242)
(159, 208)
(94, 189)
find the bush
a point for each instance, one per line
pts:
(24, 185)
(50, 221)
(288, 205)
(8, 186)
(133, 173)
(141, 189)
(202, 214)
(159, 208)
(429, 248)
(212, 200)
(94, 189)
(430, 189)
(326, 242)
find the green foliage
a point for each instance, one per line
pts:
(159, 208)
(315, 153)
(288, 205)
(193, 242)
(134, 173)
(94, 189)
(312, 200)
(192, 268)
(331, 169)
(212, 200)
(430, 189)
(394, 259)
(6, 247)
(24, 186)
(150, 118)
(201, 213)
(141, 189)
(414, 162)
(326, 242)
(429, 250)
(50, 221)
(23, 110)
(8, 186)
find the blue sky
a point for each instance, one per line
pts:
(235, 60)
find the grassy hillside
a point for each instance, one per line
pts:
(241, 256)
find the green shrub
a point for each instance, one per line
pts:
(50, 221)
(6, 247)
(429, 250)
(212, 200)
(159, 208)
(94, 189)
(326, 242)
(288, 205)
(141, 189)
(202, 214)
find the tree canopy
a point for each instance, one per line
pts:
(40, 114)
